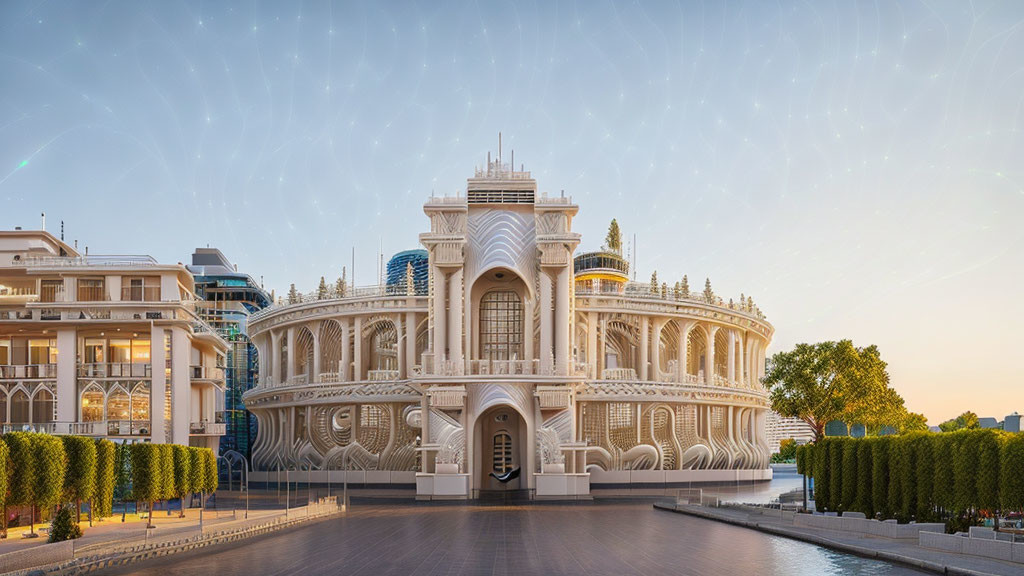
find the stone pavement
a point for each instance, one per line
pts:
(903, 550)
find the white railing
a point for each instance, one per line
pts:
(381, 375)
(503, 367)
(115, 370)
(92, 428)
(28, 371)
(298, 380)
(644, 290)
(618, 374)
(329, 377)
(117, 261)
(206, 372)
(207, 428)
(350, 293)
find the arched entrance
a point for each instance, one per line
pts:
(501, 437)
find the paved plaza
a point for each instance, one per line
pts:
(592, 538)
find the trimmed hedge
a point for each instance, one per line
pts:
(45, 471)
(919, 476)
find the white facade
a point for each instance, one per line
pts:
(106, 346)
(511, 363)
(779, 428)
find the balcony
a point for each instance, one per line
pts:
(206, 373)
(382, 375)
(206, 428)
(618, 374)
(128, 427)
(116, 370)
(28, 372)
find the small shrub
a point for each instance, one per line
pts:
(64, 526)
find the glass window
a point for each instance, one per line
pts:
(120, 351)
(42, 407)
(502, 453)
(140, 351)
(42, 351)
(501, 325)
(5, 352)
(51, 290)
(94, 350)
(117, 405)
(90, 290)
(140, 403)
(19, 408)
(92, 405)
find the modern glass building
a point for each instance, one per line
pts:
(228, 298)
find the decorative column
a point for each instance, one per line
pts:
(439, 319)
(316, 352)
(731, 370)
(399, 350)
(181, 386)
(274, 358)
(410, 342)
(291, 353)
(562, 322)
(742, 360)
(656, 327)
(157, 388)
(455, 317)
(357, 340)
(644, 343)
(545, 322)
(346, 359)
(683, 350)
(602, 348)
(592, 344)
(709, 356)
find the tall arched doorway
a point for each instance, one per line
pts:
(501, 441)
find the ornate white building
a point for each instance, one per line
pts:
(518, 367)
(107, 346)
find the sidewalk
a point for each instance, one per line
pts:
(112, 537)
(904, 551)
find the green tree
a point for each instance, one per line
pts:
(64, 527)
(80, 477)
(210, 480)
(103, 494)
(819, 383)
(146, 475)
(787, 450)
(1011, 473)
(880, 475)
(850, 476)
(821, 475)
(965, 472)
(966, 421)
(5, 483)
(613, 240)
(987, 481)
(835, 480)
(913, 422)
(123, 476)
(182, 474)
(21, 490)
(863, 501)
(925, 478)
(196, 470)
(167, 488)
(51, 462)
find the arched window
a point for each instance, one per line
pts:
(92, 404)
(42, 406)
(140, 403)
(501, 325)
(502, 452)
(118, 403)
(19, 408)
(3, 408)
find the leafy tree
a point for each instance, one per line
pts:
(195, 470)
(863, 502)
(913, 422)
(787, 450)
(987, 481)
(965, 472)
(835, 480)
(966, 421)
(123, 476)
(182, 474)
(80, 477)
(50, 460)
(103, 494)
(1011, 473)
(925, 478)
(850, 469)
(210, 480)
(23, 472)
(819, 383)
(880, 475)
(897, 473)
(64, 527)
(613, 241)
(167, 488)
(821, 475)
(906, 447)
(801, 458)
(146, 475)
(321, 290)
(5, 482)
(709, 294)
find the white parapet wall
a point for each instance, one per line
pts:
(979, 543)
(677, 476)
(856, 523)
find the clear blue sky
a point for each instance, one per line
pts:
(857, 168)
